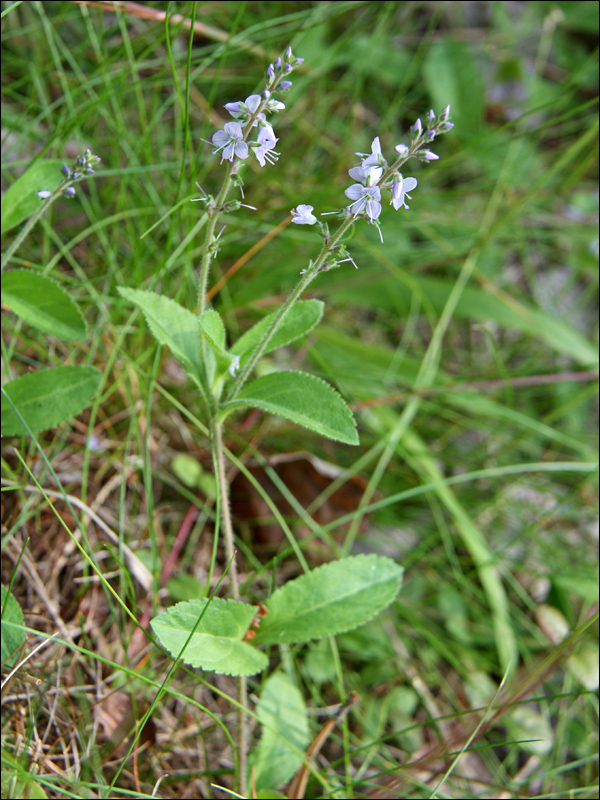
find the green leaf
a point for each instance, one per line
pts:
(172, 325)
(212, 325)
(303, 399)
(214, 331)
(331, 599)
(12, 637)
(299, 321)
(216, 644)
(282, 712)
(48, 398)
(41, 302)
(20, 200)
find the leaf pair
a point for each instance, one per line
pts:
(301, 398)
(331, 599)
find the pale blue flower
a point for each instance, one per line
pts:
(427, 155)
(366, 198)
(401, 149)
(375, 157)
(234, 366)
(302, 215)
(400, 191)
(266, 142)
(230, 142)
(275, 105)
(366, 175)
(241, 109)
(43, 194)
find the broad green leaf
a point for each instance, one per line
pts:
(41, 302)
(12, 629)
(172, 325)
(282, 712)
(216, 644)
(48, 397)
(299, 321)
(331, 599)
(303, 399)
(20, 200)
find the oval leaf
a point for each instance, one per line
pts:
(48, 397)
(12, 632)
(299, 321)
(331, 599)
(41, 302)
(20, 200)
(282, 713)
(172, 325)
(303, 399)
(216, 644)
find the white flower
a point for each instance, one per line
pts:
(303, 215)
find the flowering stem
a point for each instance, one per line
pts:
(213, 217)
(293, 297)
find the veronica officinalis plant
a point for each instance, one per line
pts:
(223, 635)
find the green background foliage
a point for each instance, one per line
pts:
(478, 314)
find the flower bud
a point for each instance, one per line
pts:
(69, 192)
(445, 114)
(417, 127)
(43, 194)
(285, 85)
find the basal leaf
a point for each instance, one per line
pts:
(20, 200)
(216, 644)
(303, 399)
(299, 321)
(48, 397)
(282, 713)
(41, 302)
(172, 325)
(331, 599)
